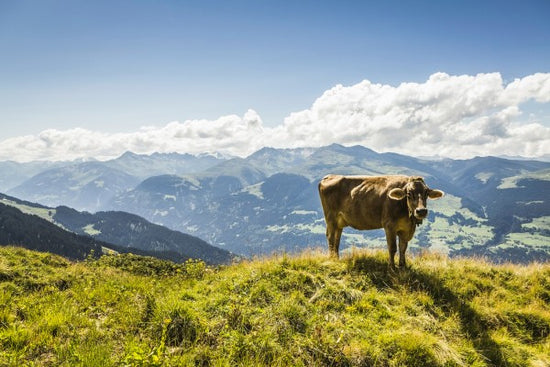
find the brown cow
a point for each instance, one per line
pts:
(395, 203)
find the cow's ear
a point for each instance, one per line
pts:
(397, 194)
(435, 194)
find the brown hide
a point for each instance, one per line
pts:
(395, 203)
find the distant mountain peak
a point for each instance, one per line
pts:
(217, 155)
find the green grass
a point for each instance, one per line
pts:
(44, 213)
(304, 310)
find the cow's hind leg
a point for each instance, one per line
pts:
(333, 238)
(402, 248)
(392, 246)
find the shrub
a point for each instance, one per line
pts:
(195, 269)
(182, 328)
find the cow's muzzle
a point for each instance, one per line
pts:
(421, 213)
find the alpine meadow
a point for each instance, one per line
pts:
(303, 310)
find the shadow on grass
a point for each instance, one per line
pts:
(473, 325)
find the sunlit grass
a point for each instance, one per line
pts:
(303, 310)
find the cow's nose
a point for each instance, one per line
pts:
(421, 212)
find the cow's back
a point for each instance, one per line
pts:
(335, 190)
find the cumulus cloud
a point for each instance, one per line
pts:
(454, 116)
(232, 134)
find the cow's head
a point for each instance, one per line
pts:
(417, 194)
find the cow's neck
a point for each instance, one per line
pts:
(415, 221)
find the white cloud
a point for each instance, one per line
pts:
(536, 86)
(228, 134)
(454, 116)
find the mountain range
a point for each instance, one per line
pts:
(73, 234)
(91, 185)
(268, 201)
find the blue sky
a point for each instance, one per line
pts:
(116, 66)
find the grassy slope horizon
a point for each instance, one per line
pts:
(301, 310)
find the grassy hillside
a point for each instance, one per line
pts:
(307, 310)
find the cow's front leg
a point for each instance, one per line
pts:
(392, 246)
(402, 249)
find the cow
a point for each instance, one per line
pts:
(395, 203)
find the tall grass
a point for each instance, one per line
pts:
(304, 310)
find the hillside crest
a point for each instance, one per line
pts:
(302, 310)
